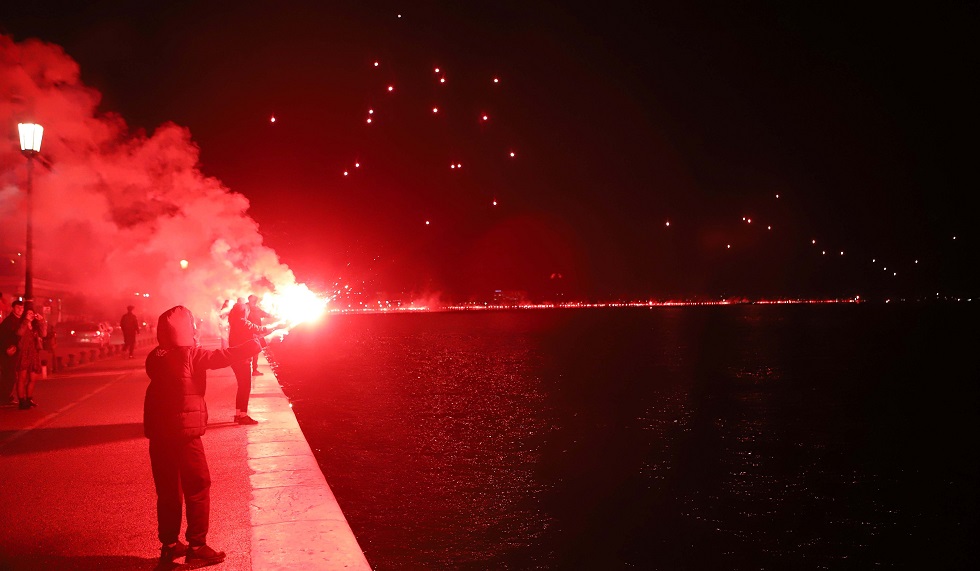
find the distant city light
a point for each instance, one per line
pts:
(391, 88)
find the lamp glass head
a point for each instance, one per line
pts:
(30, 136)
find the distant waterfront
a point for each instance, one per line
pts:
(728, 437)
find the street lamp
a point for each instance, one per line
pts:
(30, 145)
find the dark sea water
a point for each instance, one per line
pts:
(734, 437)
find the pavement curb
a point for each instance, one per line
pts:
(296, 521)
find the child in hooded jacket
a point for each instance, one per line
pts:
(175, 416)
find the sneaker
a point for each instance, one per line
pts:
(256, 373)
(30, 402)
(245, 419)
(170, 552)
(203, 556)
(24, 404)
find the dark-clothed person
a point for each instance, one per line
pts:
(8, 349)
(175, 417)
(130, 326)
(240, 330)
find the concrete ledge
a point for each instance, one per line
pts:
(296, 521)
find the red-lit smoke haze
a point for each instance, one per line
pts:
(116, 211)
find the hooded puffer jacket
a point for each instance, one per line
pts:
(174, 406)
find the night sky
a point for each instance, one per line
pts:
(622, 117)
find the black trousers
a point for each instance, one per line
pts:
(243, 375)
(7, 377)
(129, 342)
(181, 476)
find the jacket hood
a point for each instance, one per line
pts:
(176, 328)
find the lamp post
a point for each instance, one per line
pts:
(30, 145)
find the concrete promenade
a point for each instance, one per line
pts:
(76, 490)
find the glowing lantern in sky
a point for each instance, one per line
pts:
(183, 264)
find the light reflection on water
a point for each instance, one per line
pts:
(731, 437)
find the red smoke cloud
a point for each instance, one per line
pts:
(115, 211)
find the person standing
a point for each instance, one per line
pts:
(27, 358)
(240, 330)
(175, 416)
(130, 326)
(8, 348)
(255, 315)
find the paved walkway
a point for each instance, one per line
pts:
(76, 490)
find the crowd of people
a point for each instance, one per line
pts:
(175, 413)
